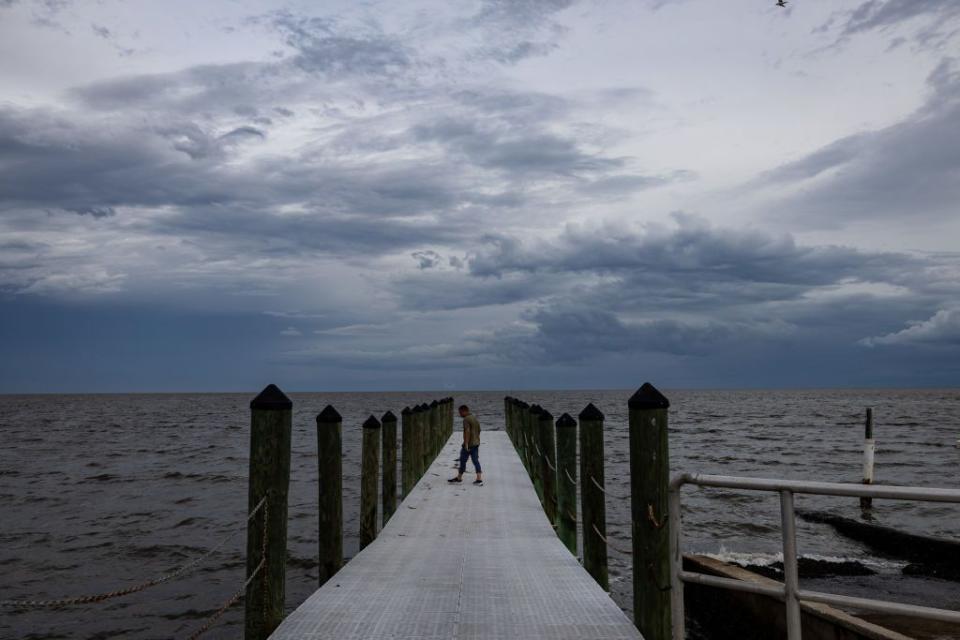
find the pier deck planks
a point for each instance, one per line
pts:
(464, 562)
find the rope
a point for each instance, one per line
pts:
(101, 597)
(240, 592)
(229, 603)
(572, 517)
(612, 495)
(609, 544)
(572, 481)
(545, 458)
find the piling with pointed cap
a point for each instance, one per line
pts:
(592, 500)
(330, 502)
(523, 420)
(869, 449)
(567, 481)
(270, 433)
(434, 429)
(369, 468)
(389, 490)
(425, 438)
(649, 487)
(416, 421)
(533, 454)
(548, 465)
(506, 417)
(406, 465)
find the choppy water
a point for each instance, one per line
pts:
(102, 491)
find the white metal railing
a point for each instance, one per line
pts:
(789, 591)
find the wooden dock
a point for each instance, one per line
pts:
(465, 562)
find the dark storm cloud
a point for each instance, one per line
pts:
(935, 21)
(907, 170)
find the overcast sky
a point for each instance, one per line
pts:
(489, 194)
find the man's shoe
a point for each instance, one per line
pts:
(478, 482)
(454, 480)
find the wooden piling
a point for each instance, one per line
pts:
(869, 448)
(548, 465)
(388, 428)
(567, 481)
(592, 499)
(330, 502)
(435, 433)
(406, 443)
(506, 418)
(649, 486)
(523, 421)
(269, 478)
(425, 438)
(369, 468)
(533, 455)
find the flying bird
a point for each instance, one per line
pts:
(782, 3)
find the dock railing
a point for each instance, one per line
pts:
(790, 591)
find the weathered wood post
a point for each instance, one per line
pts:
(425, 437)
(369, 468)
(330, 503)
(536, 460)
(506, 419)
(567, 481)
(389, 432)
(523, 416)
(434, 429)
(592, 499)
(869, 447)
(407, 457)
(269, 480)
(649, 490)
(548, 465)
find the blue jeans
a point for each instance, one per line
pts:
(473, 454)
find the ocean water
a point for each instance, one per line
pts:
(100, 492)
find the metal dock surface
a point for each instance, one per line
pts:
(466, 562)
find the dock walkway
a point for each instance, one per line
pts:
(463, 562)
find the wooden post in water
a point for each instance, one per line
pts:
(434, 429)
(425, 430)
(536, 460)
(592, 499)
(523, 419)
(649, 487)
(369, 467)
(506, 419)
(270, 429)
(548, 465)
(406, 442)
(869, 447)
(567, 481)
(330, 503)
(389, 432)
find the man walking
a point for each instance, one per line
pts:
(471, 445)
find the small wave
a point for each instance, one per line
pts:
(103, 477)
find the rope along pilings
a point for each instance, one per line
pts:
(545, 458)
(208, 624)
(605, 491)
(610, 544)
(101, 597)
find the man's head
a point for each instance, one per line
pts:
(464, 411)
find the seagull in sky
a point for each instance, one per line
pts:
(782, 3)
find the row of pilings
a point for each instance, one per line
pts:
(548, 450)
(424, 429)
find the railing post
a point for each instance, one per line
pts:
(548, 466)
(270, 429)
(869, 447)
(522, 416)
(649, 490)
(407, 456)
(790, 577)
(592, 500)
(677, 617)
(369, 468)
(567, 481)
(506, 419)
(389, 432)
(330, 503)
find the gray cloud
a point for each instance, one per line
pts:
(942, 329)
(907, 170)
